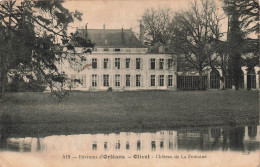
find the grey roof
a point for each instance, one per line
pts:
(119, 38)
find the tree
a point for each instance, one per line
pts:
(29, 33)
(195, 32)
(247, 12)
(243, 19)
(156, 24)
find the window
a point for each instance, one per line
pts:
(94, 146)
(169, 80)
(161, 64)
(105, 63)
(94, 80)
(161, 80)
(83, 59)
(138, 63)
(152, 80)
(161, 145)
(138, 145)
(127, 63)
(105, 49)
(170, 66)
(117, 50)
(94, 63)
(127, 80)
(152, 63)
(127, 145)
(138, 80)
(117, 63)
(105, 145)
(106, 80)
(118, 145)
(153, 144)
(117, 80)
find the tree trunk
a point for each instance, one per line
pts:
(224, 82)
(200, 80)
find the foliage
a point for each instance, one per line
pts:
(243, 20)
(29, 35)
(247, 11)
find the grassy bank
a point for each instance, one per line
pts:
(127, 111)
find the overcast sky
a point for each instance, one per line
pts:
(117, 13)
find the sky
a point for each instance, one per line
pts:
(116, 14)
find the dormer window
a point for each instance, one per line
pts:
(117, 50)
(106, 49)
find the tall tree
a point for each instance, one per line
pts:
(156, 24)
(29, 32)
(243, 20)
(195, 32)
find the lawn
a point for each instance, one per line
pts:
(34, 113)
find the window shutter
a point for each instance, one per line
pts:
(166, 64)
(111, 79)
(122, 80)
(157, 64)
(84, 80)
(97, 80)
(90, 78)
(141, 80)
(141, 63)
(101, 80)
(133, 81)
(158, 80)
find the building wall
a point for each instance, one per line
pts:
(75, 70)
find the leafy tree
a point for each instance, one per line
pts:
(243, 20)
(195, 32)
(29, 35)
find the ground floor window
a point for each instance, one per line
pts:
(152, 80)
(138, 80)
(106, 80)
(169, 80)
(94, 80)
(127, 80)
(161, 80)
(117, 79)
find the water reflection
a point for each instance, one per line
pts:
(208, 138)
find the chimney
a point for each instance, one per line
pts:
(104, 26)
(86, 31)
(141, 34)
(123, 36)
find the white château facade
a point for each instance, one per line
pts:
(119, 61)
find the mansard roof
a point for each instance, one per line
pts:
(111, 38)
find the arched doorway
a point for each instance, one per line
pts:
(214, 79)
(251, 79)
